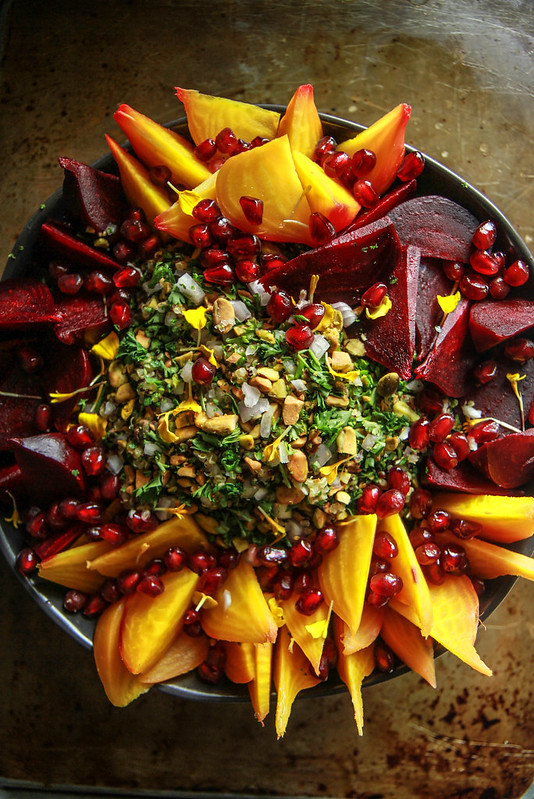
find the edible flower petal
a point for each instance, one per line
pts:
(380, 310)
(350, 375)
(196, 317)
(448, 302)
(107, 348)
(96, 424)
(276, 610)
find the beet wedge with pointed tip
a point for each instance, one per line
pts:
(463, 478)
(491, 323)
(50, 466)
(24, 302)
(92, 196)
(57, 242)
(509, 461)
(385, 204)
(301, 121)
(81, 315)
(292, 673)
(432, 283)
(503, 518)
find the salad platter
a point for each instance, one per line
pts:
(267, 406)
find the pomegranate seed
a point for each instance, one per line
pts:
(109, 485)
(154, 567)
(247, 271)
(243, 246)
(80, 437)
(134, 230)
(440, 427)
(128, 580)
(203, 371)
(214, 257)
(205, 150)
(68, 508)
(121, 314)
(221, 275)
(485, 371)
(453, 559)
(127, 277)
(445, 455)
(141, 521)
(109, 591)
(93, 494)
(70, 284)
(328, 659)
(398, 478)
(483, 432)
(93, 460)
(327, 540)
(367, 502)
(430, 402)
(454, 270)
(485, 235)
(216, 163)
(119, 295)
(519, 350)
(56, 269)
(517, 273)
(438, 521)
(434, 573)
(114, 534)
(324, 147)
(226, 141)
(200, 561)
(54, 517)
(150, 585)
(74, 601)
(207, 672)
(27, 561)
(193, 630)
(365, 194)
(385, 584)
(228, 559)
(123, 251)
(200, 235)
(301, 552)
(206, 211)
(498, 288)
(283, 586)
(299, 337)
(460, 444)
(272, 260)
(211, 580)
(94, 606)
(465, 529)
(43, 417)
(473, 287)
(390, 502)
(418, 436)
(99, 283)
(160, 174)
(411, 167)
(362, 162)
(280, 306)
(303, 582)
(29, 359)
(258, 141)
(89, 513)
(309, 601)
(376, 600)
(192, 616)
(222, 229)
(175, 558)
(313, 312)
(384, 546)
(321, 228)
(484, 263)
(252, 209)
(374, 295)
(420, 503)
(271, 556)
(419, 535)
(337, 164)
(384, 657)
(428, 552)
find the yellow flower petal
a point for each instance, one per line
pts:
(448, 302)
(196, 317)
(276, 610)
(205, 601)
(277, 528)
(328, 318)
(380, 310)
(514, 380)
(319, 629)
(350, 375)
(15, 518)
(330, 471)
(209, 354)
(271, 450)
(96, 424)
(107, 347)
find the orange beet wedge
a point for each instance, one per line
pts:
(184, 654)
(343, 572)
(242, 613)
(177, 219)
(292, 673)
(138, 550)
(259, 173)
(503, 519)
(385, 138)
(367, 632)
(301, 121)
(156, 145)
(406, 641)
(150, 624)
(325, 195)
(455, 618)
(69, 568)
(308, 631)
(138, 188)
(120, 685)
(487, 560)
(208, 115)
(415, 591)
(260, 687)
(240, 664)
(353, 669)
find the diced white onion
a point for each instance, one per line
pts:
(319, 345)
(246, 414)
(257, 288)
(368, 442)
(190, 288)
(322, 455)
(241, 311)
(251, 349)
(150, 448)
(282, 452)
(186, 374)
(114, 463)
(299, 385)
(251, 395)
(167, 404)
(226, 599)
(471, 412)
(261, 493)
(266, 423)
(289, 366)
(349, 317)
(108, 409)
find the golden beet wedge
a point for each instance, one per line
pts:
(353, 669)
(406, 641)
(183, 655)
(308, 631)
(260, 687)
(325, 195)
(301, 121)
(69, 568)
(292, 673)
(503, 519)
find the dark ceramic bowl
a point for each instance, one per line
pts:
(436, 179)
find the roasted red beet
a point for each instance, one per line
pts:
(492, 322)
(25, 302)
(95, 197)
(509, 461)
(49, 465)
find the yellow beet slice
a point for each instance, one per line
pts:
(240, 664)
(260, 687)
(183, 655)
(69, 568)
(292, 673)
(325, 195)
(138, 188)
(344, 572)
(120, 685)
(260, 173)
(385, 138)
(503, 519)
(208, 115)
(177, 219)
(455, 618)
(301, 121)
(406, 641)
(242, 613)
(150, 624)
(156, 145)
(367, 632)
(308, 631)
(415, 590)
(353, 669)
(487, 560)
(137, 551)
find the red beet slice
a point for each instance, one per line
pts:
(497, 398)
(67, 369)
(78, 315)
(439, 227)
(11, 483)
(17, 413)
(58, 542)
(385, 204)
(491, 322)
(61, 244)
(509, 461)
(464, 478)
(432, 281)
(450, 362)
(94, 196)
(51, 468)
(23, 302)
(391, 338)
(346, 266)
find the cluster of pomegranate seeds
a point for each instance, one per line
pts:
(449, 447)
(213, 152)
(383, 583)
